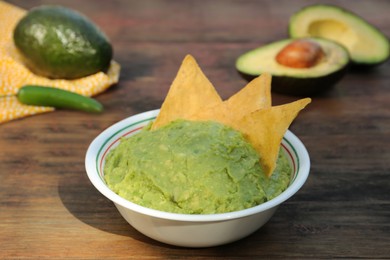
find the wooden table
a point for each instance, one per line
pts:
(50, 210)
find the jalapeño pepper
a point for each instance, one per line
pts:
(58, 98)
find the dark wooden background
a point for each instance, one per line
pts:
(49, 209)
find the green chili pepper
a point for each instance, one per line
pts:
(58, 98)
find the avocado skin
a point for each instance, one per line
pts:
(361, 66)
(59, 43)
(302, 86)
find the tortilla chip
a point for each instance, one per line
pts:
(255, 95)
(189, 92)
(265, 128)
(219, 113)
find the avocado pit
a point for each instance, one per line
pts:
(300, 54)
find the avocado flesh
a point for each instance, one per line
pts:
(296, 81)
(366, 44)
(59, 43)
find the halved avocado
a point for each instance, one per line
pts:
(367, 46)
(296, 81)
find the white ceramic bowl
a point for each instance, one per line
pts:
(185, 229)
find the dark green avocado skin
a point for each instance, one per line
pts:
(360, 66)
(302, 86)
(59, 43)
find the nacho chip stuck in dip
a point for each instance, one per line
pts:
(203, 155)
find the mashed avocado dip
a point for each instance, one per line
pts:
(193, 168)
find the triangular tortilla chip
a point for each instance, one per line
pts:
(254, 96)
(219, 113)
(187, 94)
(265, 128)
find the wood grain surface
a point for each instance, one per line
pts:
(50, 210)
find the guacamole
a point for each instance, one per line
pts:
(193, 168)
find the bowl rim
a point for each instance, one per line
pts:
(109, 136)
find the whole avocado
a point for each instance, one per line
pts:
(59, 43)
